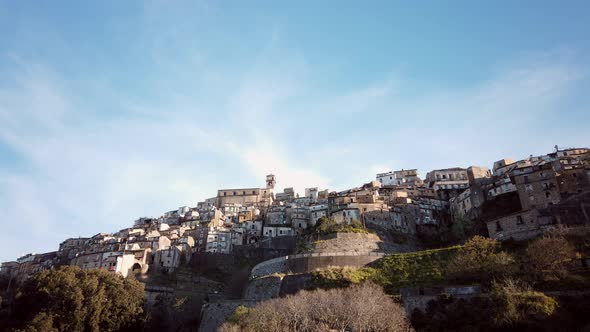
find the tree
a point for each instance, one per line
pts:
(326, 225)
(72, 299)
(515, 302)
(362, 307)
(356, 224)
(550, 256)
(480, 258)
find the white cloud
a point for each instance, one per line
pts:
(95, 167)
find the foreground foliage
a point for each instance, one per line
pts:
(357, 308)
(72, 299)
(416, 268)
(481, 259)
(549, 257)
(516, 302)
(341, 277)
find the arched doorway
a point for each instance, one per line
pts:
(136, 268)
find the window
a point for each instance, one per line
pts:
(235, 193)
(243, 193)
(224, 193)
(444, 176)
(545, 185)
(575, 175)
(253, 192)
(498, 227)
(526, 179)
(547, 194)
(519, 220)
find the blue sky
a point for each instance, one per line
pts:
(113, 110)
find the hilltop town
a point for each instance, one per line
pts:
(398, 211)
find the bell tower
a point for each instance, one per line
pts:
(270, 181)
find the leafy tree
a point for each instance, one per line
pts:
(356, 224)
(326, 225)
(550, 256)
(481, 258)
(72, 299)
(515, 302)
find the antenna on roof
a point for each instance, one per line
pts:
(556, 148)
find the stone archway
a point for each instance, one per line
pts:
(136, 268)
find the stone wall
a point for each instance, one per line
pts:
(275, 265)
(152, 292)
(418, 298)
(263, 288)
(294, 283)
(213, 315)
(304, 263)
(356, 242)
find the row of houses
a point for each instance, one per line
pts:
(516, 199)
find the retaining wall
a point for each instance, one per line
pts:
(263, 288)
(304, 263)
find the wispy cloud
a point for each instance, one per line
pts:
(105, 147)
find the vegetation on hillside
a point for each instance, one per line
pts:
(357, 308)
(549, 257)
(515, 301)
(72, 299)
(392, 272)
(326, 225)
(480, 259)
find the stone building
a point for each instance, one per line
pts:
(346, 215)
(274, 231)
(287, 195)
(448, 182)
(477, 174)
(276, 215)
(248, 196)
(389, 220)
(536, 185)
(397, 178)
(520, 225)
(466, 204)
(316, 212)
(299, 218)
(219, 241)
(386, 179)
(502, 166)
(312, 193)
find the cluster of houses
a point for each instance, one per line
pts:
(516, 199)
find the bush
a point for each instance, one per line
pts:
(357, 308)
(328, 226)
(480, 259)
(550, 256)
(341, 277)
(516, 302)
(415, 268)
(72, 299)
